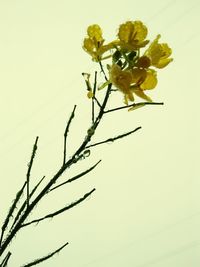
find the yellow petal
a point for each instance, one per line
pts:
(120, 78)
(142, 95)
(94, 31)
(153, 45)
(138, 75)
(88, 45)
(167, 51)
(125, 30)
(163, 63)
(140, 30)
(125, 100)
(159, 53)
(132, 34)
(128, 97)
(150, 81)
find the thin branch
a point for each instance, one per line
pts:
(93, 93)
(75, 177)
(97, 101)
(5, 260)
(51, 215)
(35, 262)
(135, 105)
(37, 185)
(112, 139)
(66, 132)
(11, 210)
(102, 69)
(29, 170)
(24, 204)
(94, 126)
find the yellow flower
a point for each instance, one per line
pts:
(159, 53)
(143, 80)
(94, 41)
(93, 44)
(134, 81)
(94, 32)
(132, 35)
(122, 80)
(150, 81)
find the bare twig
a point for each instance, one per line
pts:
(53, 180)
(5, 260)
(94, 125)
(66, 132)
(51, 215)
(24, 204)
(29, 170)
(11, 210)
(97, 101)
(37, 261)
(75, 177)
(135, 105)
(112, 139)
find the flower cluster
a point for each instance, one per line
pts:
(131, 71)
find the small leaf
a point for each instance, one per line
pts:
(136, 106)
(102, 86)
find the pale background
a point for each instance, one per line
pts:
(145, 211)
